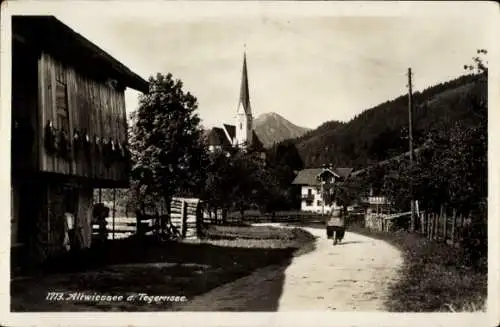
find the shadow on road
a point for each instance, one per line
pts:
(132, 266)
(350, 242)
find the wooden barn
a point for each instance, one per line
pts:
(69, 132)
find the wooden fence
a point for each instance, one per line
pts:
(446, 226)
(185, 218)
(255, 216)
(124, 227)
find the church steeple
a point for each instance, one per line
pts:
(244, 119)
(244, 91)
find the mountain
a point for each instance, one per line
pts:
(381, 132)
(272, 128)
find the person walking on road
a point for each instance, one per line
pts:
(335, 227)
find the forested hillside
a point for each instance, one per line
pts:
(381, 132)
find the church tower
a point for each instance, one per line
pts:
(244, 119)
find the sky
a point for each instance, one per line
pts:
(308, 62)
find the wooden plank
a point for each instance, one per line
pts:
(122, 220)
(81, 112)
(70, 166)
(96, 105)
(74, 119)
(431, 225)
(90, 100)
(183, 220)
(52, 77)
(107, 126)
(436, 227)
(48, 107)
(123, 132)
(97, 126)
(77, 120)
(445, 224)
(43, 117)
(123, 228)
(453, 225)
(116, 133)
(90, 107)
(109, 112)
(114, 127)
(106, 132)
(85, 115)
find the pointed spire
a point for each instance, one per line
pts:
(244, 91)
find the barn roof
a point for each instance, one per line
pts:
(309, 176)
(231, 130)
(49, 34)
(217, 137)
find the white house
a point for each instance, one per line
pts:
(311, 181)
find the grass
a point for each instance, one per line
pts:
(260, 237)
(434, 278)
(188, 269)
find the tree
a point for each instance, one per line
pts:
(283, 163)
(216, 184)
(166, 141)
(247, 178)
(452, 169)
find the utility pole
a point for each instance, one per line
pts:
(322, 191)
(410, 140)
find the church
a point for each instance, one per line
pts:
(241, 134)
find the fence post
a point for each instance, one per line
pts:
(429, 227)
(426, 223)
(445, 223)
(426, 215)
(431, 222)
(433, 225)
(183, 218)
(453, 226)
(436, 232)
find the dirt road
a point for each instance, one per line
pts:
(354, 275)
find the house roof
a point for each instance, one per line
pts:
(217, 137)
(231, 130)
(343, 172)
(309, 176)
(49, 34)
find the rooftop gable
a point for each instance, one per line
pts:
(217, 137)
(310, 176)
(230, 130)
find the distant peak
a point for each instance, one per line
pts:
(270, 114)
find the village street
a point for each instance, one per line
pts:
(354, 275)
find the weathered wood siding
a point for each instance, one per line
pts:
(94, 108)
(24, 107)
